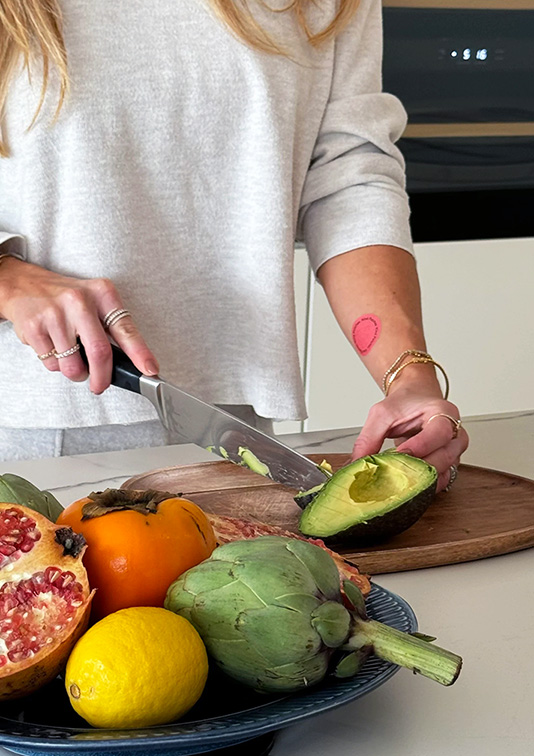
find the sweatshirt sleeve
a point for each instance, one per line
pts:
(354, 193)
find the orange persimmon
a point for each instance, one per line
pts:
(138, 542)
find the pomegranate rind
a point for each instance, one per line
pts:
(18, 679)
(28, 676)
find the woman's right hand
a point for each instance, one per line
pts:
(50, 311)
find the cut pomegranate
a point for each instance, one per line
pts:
(44, 599)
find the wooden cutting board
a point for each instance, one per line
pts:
(485, 513)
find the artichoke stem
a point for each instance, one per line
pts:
(403, 649)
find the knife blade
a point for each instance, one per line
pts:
(191, 420)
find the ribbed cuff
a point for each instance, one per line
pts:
(359, 216)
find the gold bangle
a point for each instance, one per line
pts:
(418, 361)
(413, 352)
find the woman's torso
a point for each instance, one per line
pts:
(175, 168)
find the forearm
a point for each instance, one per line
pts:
(381, 281)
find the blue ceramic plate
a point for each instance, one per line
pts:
(46, 724)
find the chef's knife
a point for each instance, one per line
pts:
(192, 420)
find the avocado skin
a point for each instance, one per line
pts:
(306, 497)
(378, 528)
(382, 528)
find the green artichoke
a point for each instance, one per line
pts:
(271, 614)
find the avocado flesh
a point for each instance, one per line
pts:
(371, 499)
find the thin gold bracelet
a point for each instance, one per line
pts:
(419, 361)
(413, 353)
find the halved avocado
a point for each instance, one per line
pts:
(370, 499)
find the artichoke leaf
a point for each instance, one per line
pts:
(350, 664)
(223, 605)
(355, 596)
(17, 490)
(177, 597)
(237, 658)
(424, 637)
(250, 668)
(207, 576)
(212, 630)
(250, 548)
(287, 678)
(332, 622)
(281, 635)
(320, 565)
(269, 578)
(299, 602)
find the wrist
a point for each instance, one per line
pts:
(420, 377)
(417, 368)
(9, 265)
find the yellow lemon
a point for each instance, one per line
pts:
(137, 667)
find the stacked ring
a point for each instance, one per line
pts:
(46, 355)
(453, 474)
(114, 316)
(68, 352)
(59, 355)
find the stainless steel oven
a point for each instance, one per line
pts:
(464, 70)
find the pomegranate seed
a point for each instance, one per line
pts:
(52, 573)
(11, 537)
(8, 603)
(19, 655)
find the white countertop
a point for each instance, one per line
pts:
(482, 610)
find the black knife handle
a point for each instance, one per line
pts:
(124, 374)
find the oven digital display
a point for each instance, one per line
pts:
(475, 52)
(469, 53)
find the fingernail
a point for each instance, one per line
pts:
(409, 452)
(151, 368)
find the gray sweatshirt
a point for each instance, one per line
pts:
(183, 167)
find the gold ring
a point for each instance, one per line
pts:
(456, 423)
(72, 350)
(114, 316)
(46, 355)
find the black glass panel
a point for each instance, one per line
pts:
(465, 66)
(461, 64)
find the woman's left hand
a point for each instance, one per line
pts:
(404, 416)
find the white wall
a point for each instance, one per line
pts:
(478, 307)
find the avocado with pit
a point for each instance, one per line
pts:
(370, 499)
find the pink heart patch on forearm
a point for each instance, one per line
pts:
(365, 333)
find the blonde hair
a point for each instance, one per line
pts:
(32, 29)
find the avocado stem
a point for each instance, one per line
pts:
(405, 650)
